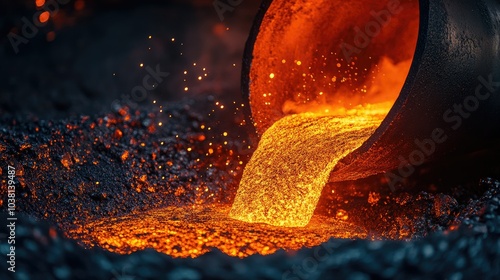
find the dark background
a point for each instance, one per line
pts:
(88, 54)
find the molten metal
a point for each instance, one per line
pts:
(193, 231)
(282, 183)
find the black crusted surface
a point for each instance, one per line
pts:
(121, 162)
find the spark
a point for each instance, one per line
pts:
(44, 17)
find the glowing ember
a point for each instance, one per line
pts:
(282, 183)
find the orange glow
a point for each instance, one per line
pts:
(39, 3)
(219, 29)
(193, 231)
(51, 36)
(312, 108)
(44, 17)
(318, 63)
(316, 111)
(124, 155)
(79, 5)
(283, 181)
(385, 84)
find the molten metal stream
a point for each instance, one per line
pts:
(281, 186)
(283, 181)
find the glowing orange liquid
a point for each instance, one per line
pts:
(282, 183)
(192, 231)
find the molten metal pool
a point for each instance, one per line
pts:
(194, 231)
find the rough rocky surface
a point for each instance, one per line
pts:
(57, 183)
(470, 252)
(86, 168)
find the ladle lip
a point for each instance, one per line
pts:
(247, 60)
